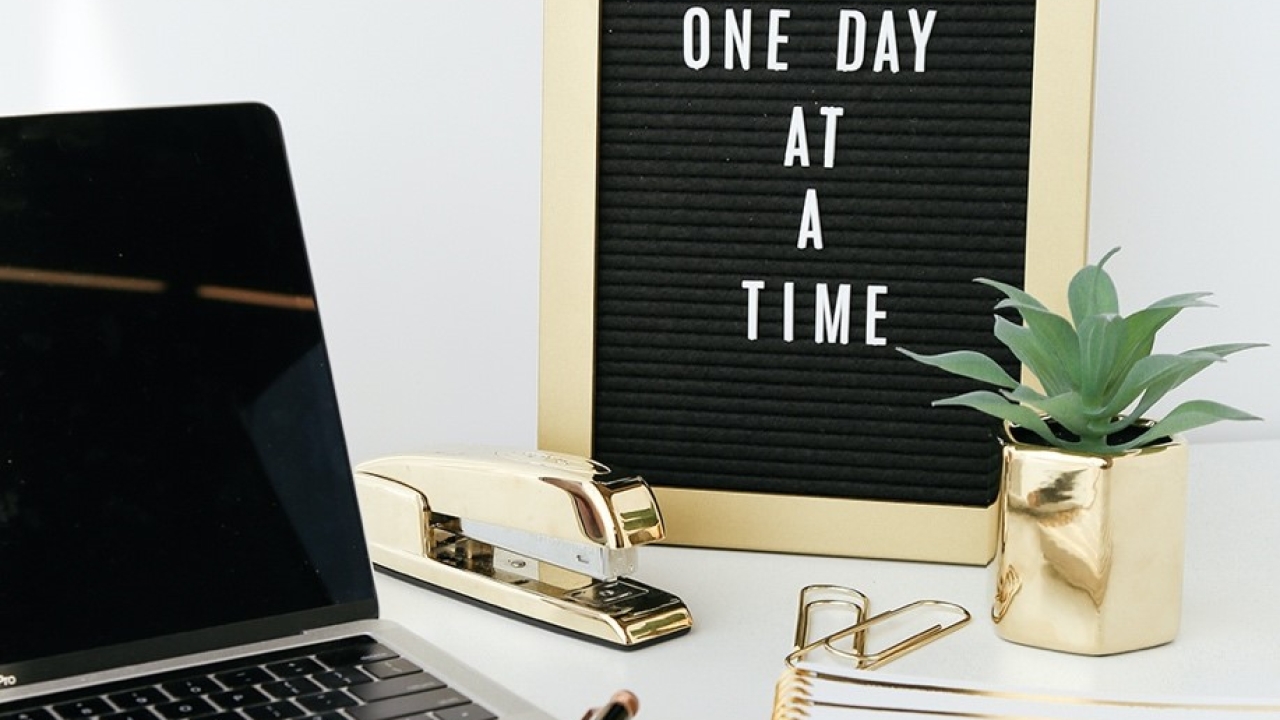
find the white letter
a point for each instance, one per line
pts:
(797, 140)
(874, 314)
(737, 38)
(835, 321)
(699, 61)
(859, 42)
(789, 311)
(753, 288)
(810, 222)
(776, 37)
(887, 47)
(829, 151)
(921, 34)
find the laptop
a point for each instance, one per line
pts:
(179, 535)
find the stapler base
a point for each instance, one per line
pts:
(619, 612)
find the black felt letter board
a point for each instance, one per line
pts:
(787, 192)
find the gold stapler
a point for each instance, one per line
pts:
(546, 536)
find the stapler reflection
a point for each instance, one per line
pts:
(542, 535)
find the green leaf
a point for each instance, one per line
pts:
(1154, 376)
(1016, 298)
(1160, 384)
(1065, 408)
(992, 404)
(1228, 348)
(1092, 292)
(1142, 327)
(1187, 416)
(1043, 363)
(1101, 340)
(1025, 394)
(1181, 301)
(1058, 339)
(967, 363)
(1052, 332)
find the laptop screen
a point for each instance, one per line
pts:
(171, 456)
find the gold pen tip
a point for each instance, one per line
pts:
(628, 700)
(625, 699)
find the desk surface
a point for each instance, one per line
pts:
(744, 607)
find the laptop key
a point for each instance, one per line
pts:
(470, 711)
(394, 667)
(33, 714)
(138, 697)
(408, 704)
(83, 708)
(403, 685)
(232, 699)
(324, 702)
(190, 687)
(140, 713)
(285, 689)
(244, 677)
(295, 668)
(187, 708)
(361, 653)
(344, 677)
(275, 711)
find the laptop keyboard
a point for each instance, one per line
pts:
(356, 679)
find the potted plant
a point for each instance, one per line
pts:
(1093, 492)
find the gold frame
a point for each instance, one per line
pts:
(1057, 228)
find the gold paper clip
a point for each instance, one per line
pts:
(871, 660)
(860, 605)
(839, 596)
(842, 597)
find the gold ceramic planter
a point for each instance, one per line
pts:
(1090, 553)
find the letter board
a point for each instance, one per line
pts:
(748, 206)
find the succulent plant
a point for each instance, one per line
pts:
(1097, 370)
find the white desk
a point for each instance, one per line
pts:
(744, 608)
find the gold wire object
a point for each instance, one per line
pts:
(871, 661)
(861, 606)
(845, 597)
(791, 696)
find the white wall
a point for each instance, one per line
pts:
(413, 128)
(1186, 179)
